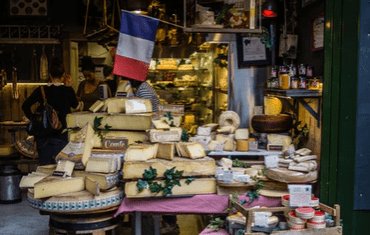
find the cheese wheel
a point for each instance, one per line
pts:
(242, 134)
(285, 200)
(318, 218)
(294, 219)
(316, 225)
(314, 202)
(242, 145)
(305, 212)
(273, 106)
(295, 226)
(229, 118)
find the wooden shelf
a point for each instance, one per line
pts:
(220, 30)
(295, 93)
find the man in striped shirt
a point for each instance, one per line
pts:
(144, 90)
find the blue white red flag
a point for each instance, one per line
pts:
(135, 45)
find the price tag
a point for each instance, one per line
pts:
(261, 219)
(271, 161)
(253, 145)
(300, 195)
(219, 147)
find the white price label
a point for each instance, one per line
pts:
(271, 161)
(300, 195)
(261, 219)
(219, 147)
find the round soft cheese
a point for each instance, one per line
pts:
(295, 226)
(316, 225)
(305, 212)
(294, 219)
(318, 218)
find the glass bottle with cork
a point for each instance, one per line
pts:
(302, 76)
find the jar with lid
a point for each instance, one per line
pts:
(315, 84)
(293, 70)
(302, 82)
(284, 80)
(302, 69)
(294, 83)
(283, 68)
(274, 70)
(275, 83)
(309, 71)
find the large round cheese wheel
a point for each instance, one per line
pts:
(229, 118)
(242, 134)
(272, 124)
(286, 176)
(272, 105)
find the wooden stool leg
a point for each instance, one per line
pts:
(157, 221)
(100, 232)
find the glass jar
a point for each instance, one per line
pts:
(274, 70)
(309, 71)
(293, 70)
(294, 83)
(284, 80)
(283, 69)
(315, 84)
(302, 82)
(302, 69)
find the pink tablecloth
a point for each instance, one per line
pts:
(219, 232)
(198, 204)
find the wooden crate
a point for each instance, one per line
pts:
(335, 212)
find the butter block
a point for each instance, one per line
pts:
(198, 186)
(92, 186)
(192, 167)
(52, 185)
(173, 134)
(118, 121)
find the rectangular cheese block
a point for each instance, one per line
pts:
(203, 140)
(92, 186)
(128, 105)
(96, 106)
(65, 166)
(192, 167)
(102, 165)
(51, 186)
(195, 150)
(198, 186)
(28, 181)
(166, 151)
(173, 134)
(79, 148)
(160, 124)
(106, 181)
(118, 121)
(141, 152)
(132, 136)
(204, 130)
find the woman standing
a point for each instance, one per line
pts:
(88, 90)
(62, 99)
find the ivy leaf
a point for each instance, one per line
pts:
(97, 123)
(264, 171)
(184, 136)
(189, 180)
(169, 173)
(155, 187)
(253, 195)
(141, 184)
(169, 116)
(176, 182)
(107, 127)
(150, 174)
(178, 173)
(167, 190)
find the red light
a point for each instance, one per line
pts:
(268, 13)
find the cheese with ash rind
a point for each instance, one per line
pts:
(192, 167)
(54, 185)
(119, 121)
(173, 134)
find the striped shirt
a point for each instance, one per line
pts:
(147, 92)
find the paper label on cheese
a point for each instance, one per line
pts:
(261, 219)
(115, 143)
(300, 195)
(271, 161)
(173, 109)
(253, 145)
(74, 148)
(163, 136)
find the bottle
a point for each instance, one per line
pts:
(274, 71)
(284, 80)
(302, 82)
(293, 70)
(302, 69)
(309, 71)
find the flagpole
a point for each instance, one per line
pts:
(163, 21)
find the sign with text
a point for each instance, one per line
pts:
(261, 219)
(300, 195)
(271, 161)
(173, 109)
(115, 143)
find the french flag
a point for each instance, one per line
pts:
(135, 46)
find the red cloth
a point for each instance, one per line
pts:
(219, 232)
(198, 204)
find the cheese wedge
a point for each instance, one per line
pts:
(79, 148)
(47, 169)
(198, 186)
(128, 105)
(160, 124)
(102, 165)
(166, 151)
(92, 186)
(30, 180)
(192, 167)
(141, 152)
(195, 150)
(96, 106)
(65, 166)
(242, 134)
(106, 181)
(6, 150)
(116, 121)
(51, 186)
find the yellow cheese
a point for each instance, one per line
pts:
(51, 186)
(141, 152)
(192, 167)
(242, 134)
(273, 106)
(92, 186)
(173, 134)
(102, 165)
(180, 148)
(65, 166)
(6, 150)
(96, 106)
(79, 148)
(189, 119)
(116, 121)
(242, 145)
(30, 180)
(106, 181)
(161, 124)
(229, 144)
(195, 150)
(198, 186)
(166, 151)
(115, 105)
(47, 169)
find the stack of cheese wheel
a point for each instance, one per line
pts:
(305, 212)
(294, 222)
(241, 136)
(318, 221)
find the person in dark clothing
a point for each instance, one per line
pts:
(110, 79)
(88, 90)
(62, 99)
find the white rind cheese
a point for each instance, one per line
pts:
(242, 134)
